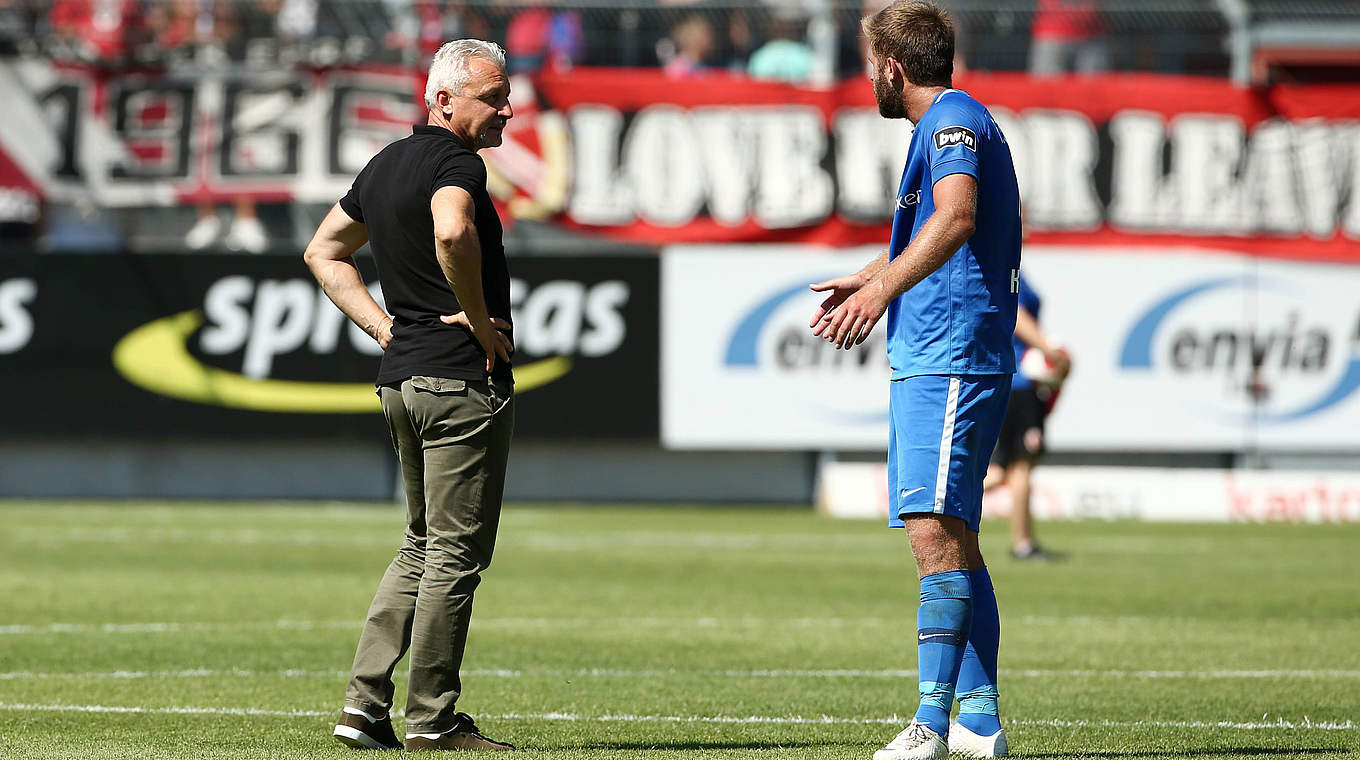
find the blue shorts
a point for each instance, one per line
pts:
(943, 429)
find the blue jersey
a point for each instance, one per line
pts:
(1029, 299)
(960, 319)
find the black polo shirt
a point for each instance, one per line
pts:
(391, 196)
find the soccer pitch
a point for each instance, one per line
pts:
(225, 631)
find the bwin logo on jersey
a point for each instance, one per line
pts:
(956, 136)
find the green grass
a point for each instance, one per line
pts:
(1167, 640)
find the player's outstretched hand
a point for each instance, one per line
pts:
(850, 323)
(841, 288)
(493, 341)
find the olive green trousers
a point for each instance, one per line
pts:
(453, 439)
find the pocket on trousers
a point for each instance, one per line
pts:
(439, 384)
(445, 410)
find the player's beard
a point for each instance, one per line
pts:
(889, 100)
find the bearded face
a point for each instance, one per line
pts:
(890, 105)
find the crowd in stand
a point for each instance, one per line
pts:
(766, 39)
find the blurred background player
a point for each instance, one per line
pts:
(1022, 432)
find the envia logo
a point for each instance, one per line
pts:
(1250, 349)
(773, 337)
(252, 339)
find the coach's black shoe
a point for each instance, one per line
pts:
(359, 732)
(463, 735)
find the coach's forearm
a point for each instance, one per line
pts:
(460, 256)
(344, 285)
(940, 237)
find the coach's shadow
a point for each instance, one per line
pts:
(1228, 751)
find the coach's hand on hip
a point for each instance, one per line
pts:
(493, 342)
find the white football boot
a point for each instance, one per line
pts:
(916, 742)
(968, 744)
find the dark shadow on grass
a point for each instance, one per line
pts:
(695, 745)
(1229, 751)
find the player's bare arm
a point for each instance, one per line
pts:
(330, 256)
(459, 253)
(942, 234)
(1028, 331)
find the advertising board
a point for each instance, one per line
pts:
(198, 346)
(1173, 350)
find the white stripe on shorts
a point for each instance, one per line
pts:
(951, 410)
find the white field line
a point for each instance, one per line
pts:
(633, 622)
(1264, 724)
(621, 541)
(641, 673)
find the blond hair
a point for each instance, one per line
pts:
(920, 36)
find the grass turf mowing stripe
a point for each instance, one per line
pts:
(25, 675)
(1278, 723)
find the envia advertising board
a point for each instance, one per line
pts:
(1174, 350)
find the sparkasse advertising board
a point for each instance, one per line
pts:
(225, 346)
(1173, 350)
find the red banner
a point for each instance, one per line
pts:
(1119, 159)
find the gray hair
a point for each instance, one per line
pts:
(450, 70)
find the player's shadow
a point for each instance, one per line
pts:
(694, 745)
(1229, 751)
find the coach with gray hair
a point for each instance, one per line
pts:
(445, 383)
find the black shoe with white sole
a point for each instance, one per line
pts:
(463, 736)
(359, 732)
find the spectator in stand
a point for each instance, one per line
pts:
(287, 20)
(418, 27)
(98, 30)
(205, 24)
(245, 233)
(784, 56)
(16, 25)
(741, 40)
(208, 25)
(539, 38)
(170, 24)
(687, 51)
(1068, 35)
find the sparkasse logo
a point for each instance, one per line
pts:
(252, 341)
(1249, 348)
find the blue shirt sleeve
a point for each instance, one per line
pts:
(956, 135)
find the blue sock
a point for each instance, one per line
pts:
(942, 632)
(976, 688)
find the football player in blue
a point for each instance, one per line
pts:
(948, 285)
